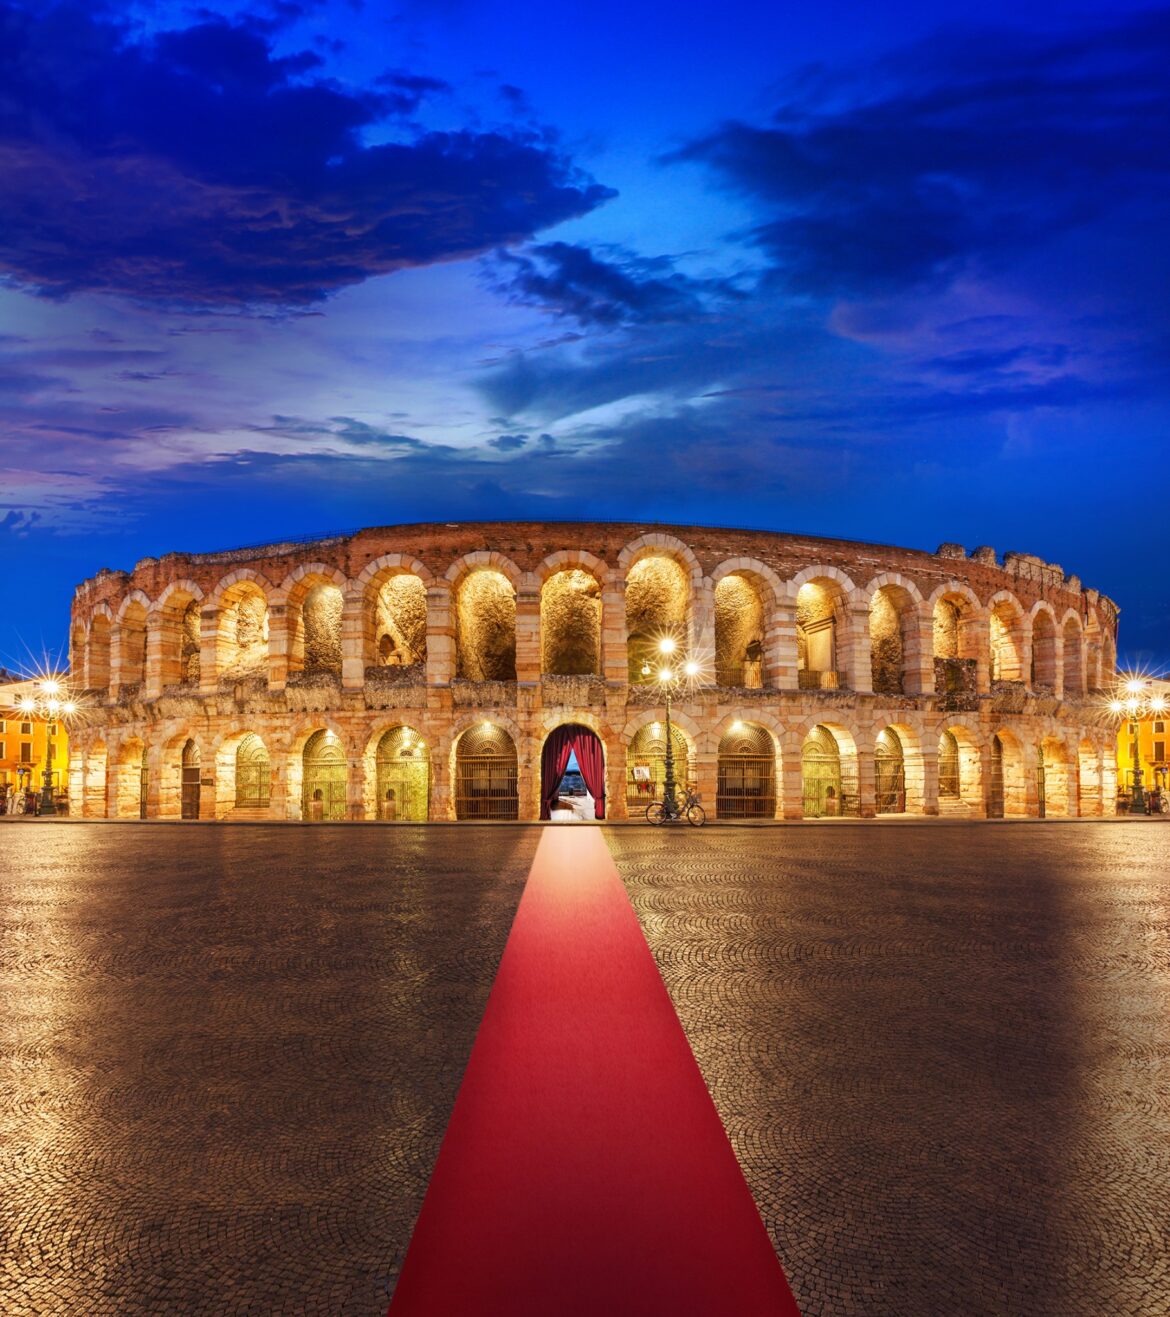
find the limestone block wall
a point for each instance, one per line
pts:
(438, 630)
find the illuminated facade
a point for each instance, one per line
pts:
(27, 739)
(418, 672)
(1153, 741)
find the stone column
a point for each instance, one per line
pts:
(615, 666)
(866, 784)
(153, 758)
(280, 622)
(155, 675)
(930, 781)
(440, 634)
(442, 796)
(702, 628)
(209, 649)
(781, 648)
(854, 657)
(353, 641)
(705, 769)
(1031, 795)
(528, 780)
(1058, 660)
(615, 779)
(278, 802)
(355, 785)
(975, 640)
(528, 635)
(918, 653)
(791, 784)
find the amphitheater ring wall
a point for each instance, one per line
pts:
(417, 672)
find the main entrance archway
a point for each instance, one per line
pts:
(323, 789)
(572, 742)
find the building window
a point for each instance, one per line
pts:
(3, 750)
(52, 729)
(1159, 751)
(26, 752)
(1159, 727)
(26, 729)
(3, 725)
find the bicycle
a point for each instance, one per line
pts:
(690, 811)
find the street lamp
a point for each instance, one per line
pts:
(672, 671)
(1134, 701)
(50, 702)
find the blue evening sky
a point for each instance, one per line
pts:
(891, 272)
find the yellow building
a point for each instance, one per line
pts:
(28, 739)
(1152, 739)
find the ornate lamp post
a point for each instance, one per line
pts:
(1135, 702)
(670, 675)
(51, 703)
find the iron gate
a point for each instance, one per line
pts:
(485, 775)
(323, 790)
(189, 787)
(747, 775)
(403, 777)
(646, 765)
(253, 774)
(889, 773)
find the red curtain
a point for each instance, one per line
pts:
(561, 743)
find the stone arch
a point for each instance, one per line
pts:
(77, 656)
(1006, 637)
(1108, 672)
(583, 733)
(485, 773)
(960, 772)
(1007, 792)
(1044, 648)
(659, 544)
(899, 770)
(484, 606)
(243, 772)
(646, 761)
(480, 560)
(742, 614)
(130, 644)
(823, 637)
(314, 595)
(659, 598)
(1073, 643)
(570, 620)
(747, 777)
(829, 772)
(393, 591)
(564, 559)
(240, 604)
(324, 776)
(97, 654)
(895, 642)
(398, 774)
(179, 611)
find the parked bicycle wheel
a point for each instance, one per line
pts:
(696, 816)
(656, 813)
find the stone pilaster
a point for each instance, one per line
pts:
(615, 665)
(281, 621)
(929, 770)
(866, 784)
(156, 645)
(440, 635)
(353, 641)
(781, 647)
(209, 655)
(528, 635)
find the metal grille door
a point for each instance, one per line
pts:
(485, 775)
(189, 789)
(323, 793)
(646, 762)
(403, 777)
(253, 774)
(747, 775)
(995, 781)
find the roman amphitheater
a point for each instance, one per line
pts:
(441, 672)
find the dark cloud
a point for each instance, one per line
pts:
(955, 156)
(199, 167)
(508, 443)
(572, 280)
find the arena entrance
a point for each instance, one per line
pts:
(323, 792)
(253, 774)
(189, 782)
(485, 775)
(829, 788)
(403, 773)
(646, 766)
(889, 765)
(746, 786)
(572, 775)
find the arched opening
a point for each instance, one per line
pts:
(94, 802)
(98, 660)
(323, 778)
(747, 773)
(1006, 642)
(399, 621)
(658, 596)
(485, 627)
(959, 773)
(1088, 780)
(646, 765)
(1041, 783)
(829, 782)
(189, 785)
(572, 775)
(402, 774)
(485, 774)
(1006, 793)
(570, 624)
(314, 621)
(242, 634)
(1108, 671)
(949, 777)
(132, 644)
(1074, 675)
(889, 764)
(893, 640)
(739, 633)
(179, 622)
(819, 605)
(144, 785)
(128, 781)
(253, 774)
(1043, 675)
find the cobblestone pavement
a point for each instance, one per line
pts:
(942, 1053)
(228, 1056)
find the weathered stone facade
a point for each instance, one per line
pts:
(417, 671)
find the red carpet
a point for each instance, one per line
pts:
(585, 1170)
